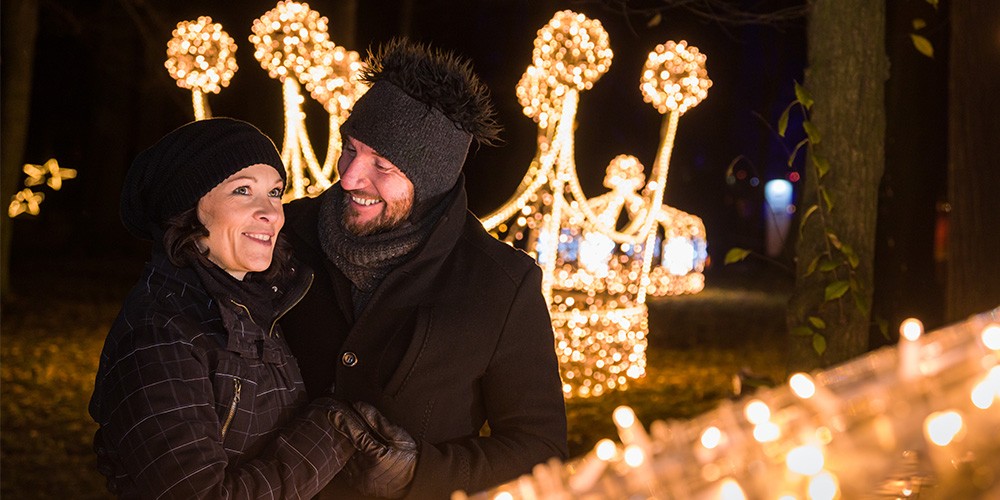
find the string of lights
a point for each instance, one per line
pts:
(914, 420)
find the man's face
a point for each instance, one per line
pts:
(377, 194)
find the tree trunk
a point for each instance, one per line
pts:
(20, 27)
(846, 77)
(973, 282)
(907, 279)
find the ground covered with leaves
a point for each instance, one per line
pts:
(54, 326)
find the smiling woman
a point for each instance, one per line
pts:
(243, 216)
(197, 395)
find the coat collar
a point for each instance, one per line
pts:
(249, 329)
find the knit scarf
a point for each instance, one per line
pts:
(366, 260)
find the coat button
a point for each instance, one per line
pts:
(349, 359)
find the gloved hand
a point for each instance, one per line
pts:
(387, 456)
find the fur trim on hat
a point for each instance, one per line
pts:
(439, 79)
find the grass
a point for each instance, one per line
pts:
(53, 330)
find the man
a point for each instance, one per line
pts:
(415, 308)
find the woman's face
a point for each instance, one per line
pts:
(243, 216)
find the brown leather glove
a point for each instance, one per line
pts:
(386, 457)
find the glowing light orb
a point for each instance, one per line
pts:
(731, 490)
(287, 37)
(802, 385)
(634, 456)
(991, 336)
(757, 412)
(674, 77)
(330, 74)
(605, 449)
(823, 486)
(679, 256)
(711, 437)
(911, 329)
(201, 56)
(573, 49)
(806, 460)
(941, 428)
(766, 432)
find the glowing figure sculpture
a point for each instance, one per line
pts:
(601, 256)
(293, 45)
(201, 57)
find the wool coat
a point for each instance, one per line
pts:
(455, 339)
(198, 396)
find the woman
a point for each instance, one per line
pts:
(197, 394)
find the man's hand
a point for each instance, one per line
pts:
(386, 457)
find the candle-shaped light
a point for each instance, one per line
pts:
(908, 353)
(991, 336)
(630, 430)
(593, 466)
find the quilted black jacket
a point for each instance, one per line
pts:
(197, 396)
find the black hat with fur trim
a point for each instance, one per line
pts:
(423, 110)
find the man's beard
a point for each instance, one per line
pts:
(391, 215)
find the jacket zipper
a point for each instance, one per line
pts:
(232, 407)
(289, 308)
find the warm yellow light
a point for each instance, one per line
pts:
(679, 256)
(624, 417)
(711, 437)
(201, 56)
(25, 201)
(802, 385)
(941, 428)
(503, 495)
(806, 460)
(605, 449)
(824, 486)
(731, 490)
(757, 412)
(766, 432)
(991, 336)
(288, 36)
(573, 50)
(911, 329)
(987, 390)
(634, 455)
(983, 395)
(674, 78)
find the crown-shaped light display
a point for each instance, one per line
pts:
(600, 256)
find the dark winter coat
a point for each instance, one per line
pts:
(197, 396)
(456, 337)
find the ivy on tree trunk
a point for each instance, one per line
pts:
(846, 75)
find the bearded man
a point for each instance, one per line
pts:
(415, 308)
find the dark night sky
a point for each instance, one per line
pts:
(101, 95)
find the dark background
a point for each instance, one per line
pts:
(101, 95)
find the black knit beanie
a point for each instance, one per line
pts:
(173, 174)
(422, 112)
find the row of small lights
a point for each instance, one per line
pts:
(811, 474)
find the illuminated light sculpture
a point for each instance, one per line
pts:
(201, 58)
(862, 429)
(597, 270)
(293, 45)
(28, 201)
